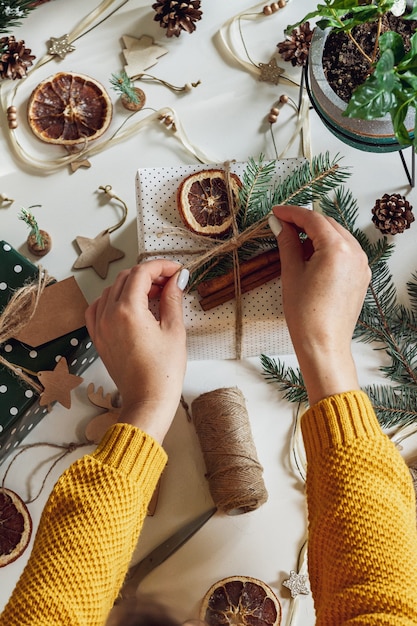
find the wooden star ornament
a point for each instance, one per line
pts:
(270, 72)
(98, 252)
(58, 384)
(297, 583)
(60, 46)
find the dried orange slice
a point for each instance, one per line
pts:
(15, 526)
(69, 109)
(203, 202)
(240, 600)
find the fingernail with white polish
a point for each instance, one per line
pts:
(182, 279)
(275, 225)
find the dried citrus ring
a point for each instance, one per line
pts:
(68, 109)
(203, 202)
(240, 600)
(15, 526)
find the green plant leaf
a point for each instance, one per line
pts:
(413, 13)
(392, 42)
(371, 100)
(398, 116)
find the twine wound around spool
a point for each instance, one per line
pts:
(234, 473)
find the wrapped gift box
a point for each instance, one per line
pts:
(20, 410)
(210, 334)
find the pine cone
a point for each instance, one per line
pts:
(14, 58)
(295, 48)
(392, 214)
(176, 16)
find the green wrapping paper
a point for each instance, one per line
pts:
(20, 410)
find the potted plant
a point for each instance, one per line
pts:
(377, 39)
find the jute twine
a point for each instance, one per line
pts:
(234, 473)
(18, 312)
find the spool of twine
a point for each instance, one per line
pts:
(234, 473)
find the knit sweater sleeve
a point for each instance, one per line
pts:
(362, 554)
(87, 533)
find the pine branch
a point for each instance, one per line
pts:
(256, 179)
(393, 405)
(12, 12)
(122, 84)
(289, 381)
(310, 182)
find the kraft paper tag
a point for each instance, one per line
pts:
(60, 310)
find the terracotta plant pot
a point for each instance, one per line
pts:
(370, 135)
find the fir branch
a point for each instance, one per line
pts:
(256, 179)
(393, 405)
(289, 381)
(122, 85)
(310, 182)
(12, 12)
(30, 220)
(412, 291)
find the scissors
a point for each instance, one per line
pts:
(159, 554)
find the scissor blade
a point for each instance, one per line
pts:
(157, 556)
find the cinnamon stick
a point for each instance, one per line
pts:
(250, 281)
(214, 285)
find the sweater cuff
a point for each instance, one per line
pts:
(129, 450)
(338, 419)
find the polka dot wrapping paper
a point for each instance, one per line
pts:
(20, 411)
(210, 334)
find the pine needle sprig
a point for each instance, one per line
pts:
(412, 291)
(256, 179)
(289, 380)
(122, 84)
(12, 12)
(310, 182)
(394, 406)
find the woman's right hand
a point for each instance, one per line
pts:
(324, 282)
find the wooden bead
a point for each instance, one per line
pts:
(274, 7)
(272, 118)
(12, 117)
(274, 111)
(282, 3)
(283, 99)
(267, 10)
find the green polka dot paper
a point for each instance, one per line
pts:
(210, 334)
(20, 411)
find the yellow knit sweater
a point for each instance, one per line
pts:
(362, 525)
(362, 552)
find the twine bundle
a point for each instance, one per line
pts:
(234, 473)
(17, 313)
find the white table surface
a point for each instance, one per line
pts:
(226, 118)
